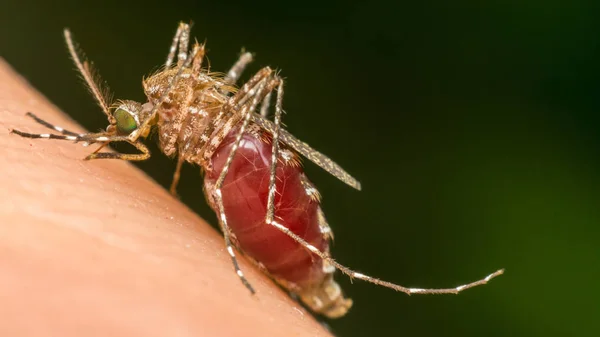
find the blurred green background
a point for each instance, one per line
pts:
(473, 127)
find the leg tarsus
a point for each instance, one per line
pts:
(238, 68)
(353, 274)
(264, 107)
(176, 176)
(45, 135)
(51, 126)
(260, 88)
(198, 58)
(99, 148)
(275, 152)
(181, 38)
(228, 245)
(122, 156)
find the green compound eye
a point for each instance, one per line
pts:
(125, 121)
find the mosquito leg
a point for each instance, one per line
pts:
(46, 136)
(122, 156)
(91, 138)
(184, 42)
(226, 235)
(51, 126)
(248, 90)
(100, 148)
(353, 274)
(324, 227)
(173, 48)
(181, 121)
(238, 68)
(275, 150)
(182, 37)
(264, 107)
(176, 175)
(197, 62)
(263, 88)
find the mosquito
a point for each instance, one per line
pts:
(253, 179)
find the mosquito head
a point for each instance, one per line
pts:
(128, 116)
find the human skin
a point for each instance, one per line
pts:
(97, 248)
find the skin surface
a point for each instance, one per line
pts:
(98, 249)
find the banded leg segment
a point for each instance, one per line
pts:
(219, 200)
(248, 90)
(264, 107)
(255, 95)
(227, 236)
(238, 68)
(275, 151)
(52, 126)
(88, 138)
(353, 274)
(198, 58)
(229, 114)
(46, 136)
(181, 38)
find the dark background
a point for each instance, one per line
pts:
(474, 129)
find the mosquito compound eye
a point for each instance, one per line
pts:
(126, 123)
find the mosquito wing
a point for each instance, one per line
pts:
(313, 155)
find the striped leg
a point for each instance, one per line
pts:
(233, 106)
(353, 274)
(275, 150)
(49, 136)
(238, 68)
(196, 64)
(88, 138)
(181, 38)
(262, 88)
(264, 107)
(52, 126)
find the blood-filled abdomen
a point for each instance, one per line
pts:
(245, 191)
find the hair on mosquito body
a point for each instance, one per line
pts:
(253, 177)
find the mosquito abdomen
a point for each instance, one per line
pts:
(245, 192)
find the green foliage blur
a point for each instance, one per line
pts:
(473, 127)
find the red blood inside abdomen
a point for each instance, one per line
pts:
(245, 192)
